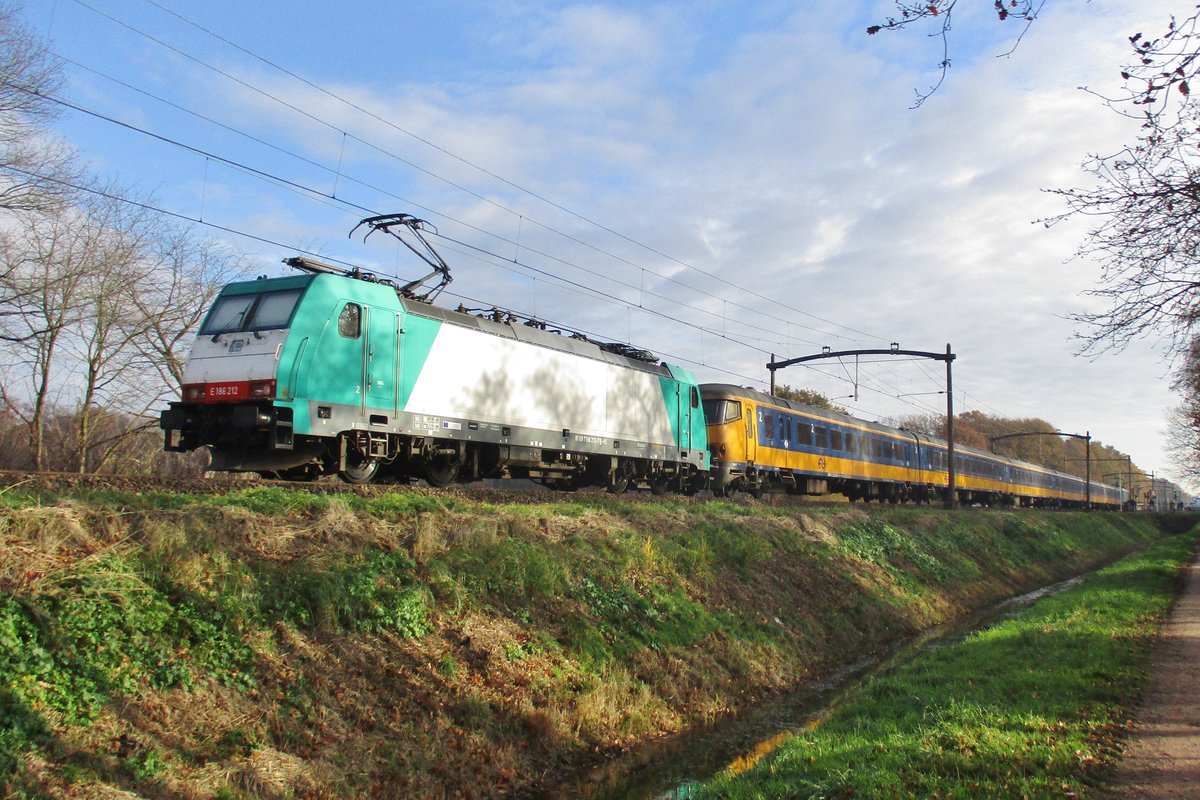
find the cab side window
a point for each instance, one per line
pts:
(350, 321)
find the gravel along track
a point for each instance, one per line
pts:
(220, 483)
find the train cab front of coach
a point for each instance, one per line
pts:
(729, 419)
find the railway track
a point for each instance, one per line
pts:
(221, 483)
(216, 483)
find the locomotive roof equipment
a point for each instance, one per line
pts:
(426, 252)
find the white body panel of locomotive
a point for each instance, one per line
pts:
(474, 374)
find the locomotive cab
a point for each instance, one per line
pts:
(728, 441)
(232, 378)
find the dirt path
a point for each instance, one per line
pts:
(1163, 757)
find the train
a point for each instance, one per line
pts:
(336, 371)
(762, 443)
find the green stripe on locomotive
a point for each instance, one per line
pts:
(681, 396)
(318, 363)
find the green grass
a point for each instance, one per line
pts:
(1031, 707)
(364, 633)
(276, 501)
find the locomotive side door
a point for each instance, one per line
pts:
(687, 398)
(380, 359)
(753, 422)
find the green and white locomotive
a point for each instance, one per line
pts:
(336, 371)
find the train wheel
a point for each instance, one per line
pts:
(659, 484)
(441, 470)
(618, 479)
(362, 472)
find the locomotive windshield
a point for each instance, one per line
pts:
(251, 312)
(718, 411)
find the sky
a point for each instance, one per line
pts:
(715, 182)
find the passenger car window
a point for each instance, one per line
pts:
(804, 433)
(822, 437)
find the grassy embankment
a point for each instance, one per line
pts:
(270, 643)
(1032, 707)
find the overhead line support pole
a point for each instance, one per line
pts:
(951, 487)
(1087, 437)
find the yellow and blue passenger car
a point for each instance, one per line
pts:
(761, 443)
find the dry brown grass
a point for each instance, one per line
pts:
(620, 709)
(39, 544)
(478, 706)
(265, 774)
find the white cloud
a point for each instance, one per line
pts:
(771, 149)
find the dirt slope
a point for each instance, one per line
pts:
(271, 643)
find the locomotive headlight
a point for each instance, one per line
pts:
(262, 389)
(193, 393)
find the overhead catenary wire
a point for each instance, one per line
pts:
(339, 173)
(313, 192)
(317, 195)
(680, 358)
(281, 245)
(491, 201)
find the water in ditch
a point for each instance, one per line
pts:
(671, 768)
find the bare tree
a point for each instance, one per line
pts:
(109, 322)
(1145, 238)
(49, 260)
(1145, 199)
(102, 298)
(1182, 444)
(35, 167)
(144, 314)
(1183, 422)
(98, 297)
(940, 14)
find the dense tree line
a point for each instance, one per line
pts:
(98, 295)
(1045, 445)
